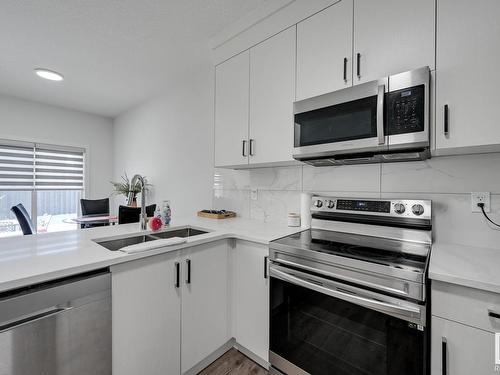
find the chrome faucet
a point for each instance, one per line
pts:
(144, 216)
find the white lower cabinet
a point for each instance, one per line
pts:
(161, 327)
(463, 326)
(146, 316)
(205, 302)
(251, 297)
(467, 350)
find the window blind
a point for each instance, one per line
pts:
(57, 168)
(25, 166)
(16, 167)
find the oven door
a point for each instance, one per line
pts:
(345, 121)
(323, 327)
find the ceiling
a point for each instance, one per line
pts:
(114, 54)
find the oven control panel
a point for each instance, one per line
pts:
(404, 208)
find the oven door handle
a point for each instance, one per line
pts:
(380, 114)
(403, 293)
(412, 312)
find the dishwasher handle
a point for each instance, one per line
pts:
(33, 317)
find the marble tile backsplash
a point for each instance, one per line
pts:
(269, 194)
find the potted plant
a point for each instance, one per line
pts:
(124, 187)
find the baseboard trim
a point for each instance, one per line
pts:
(211, 358)
(254, 357)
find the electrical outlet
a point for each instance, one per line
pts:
(254, 194)
(480, 197)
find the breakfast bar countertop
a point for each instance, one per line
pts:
(27, 260)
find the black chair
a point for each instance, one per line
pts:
(127, 215)
(24, 219)
(150, 210)
(94, 207)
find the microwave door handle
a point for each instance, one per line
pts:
(380, 114)
(412, 312)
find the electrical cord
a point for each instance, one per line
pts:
(481, 206)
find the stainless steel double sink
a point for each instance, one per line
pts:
(117, 244)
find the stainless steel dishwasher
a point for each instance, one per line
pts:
(62, 327)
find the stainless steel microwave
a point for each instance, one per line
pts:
(386, 120)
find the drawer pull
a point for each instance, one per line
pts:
(493, 314)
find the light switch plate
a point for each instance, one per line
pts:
(480, 197)
(254, 194)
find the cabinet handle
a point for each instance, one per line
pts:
(252, 141)
(446, 120)
(444, 356)
(358, 65)
(345, 69)
(177, 274)
(266, 268)
(243, 148)
(493, 314)
(188, 278)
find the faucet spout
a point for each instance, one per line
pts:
(144, 217)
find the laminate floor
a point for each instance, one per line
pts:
(234, 363)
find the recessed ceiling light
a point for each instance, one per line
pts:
(49, 74)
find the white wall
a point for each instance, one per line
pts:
(447, 181)
(30, 121)
(170, 140)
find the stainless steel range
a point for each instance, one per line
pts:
(349, 295)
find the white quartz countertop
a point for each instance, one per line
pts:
(473, 267)
(27, 260)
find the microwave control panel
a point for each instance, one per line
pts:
(405, 110)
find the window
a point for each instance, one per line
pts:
(48, 180)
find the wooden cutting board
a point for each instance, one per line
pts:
(225, 215)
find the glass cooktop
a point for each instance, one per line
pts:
(362, 248)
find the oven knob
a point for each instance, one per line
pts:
(330, 204)
(417, 209)
(399, 208)
(318, 203)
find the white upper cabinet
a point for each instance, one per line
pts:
(205, 302)
(393, 36)
(324, 51)
(467, 78)
(272, 90)
(231, 111)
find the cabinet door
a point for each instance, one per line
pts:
(392, 36)
(467, 78)
(251, 298)
(468, 350)
(205, 302)
(323, 42)
(231, 111)
(146, 317)
(272, 89)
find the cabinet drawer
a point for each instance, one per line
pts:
(466, 305)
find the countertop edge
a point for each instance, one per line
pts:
(215, 235)
(464, 282)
